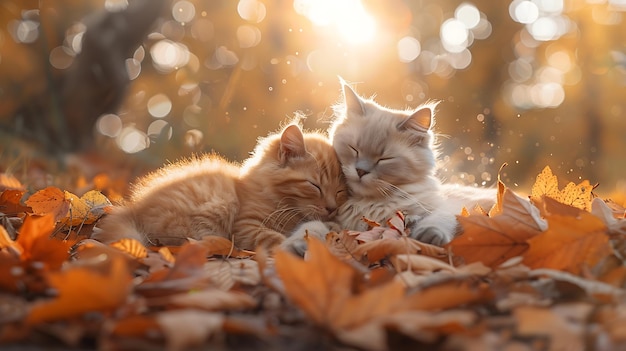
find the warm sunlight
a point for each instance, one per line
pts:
(348, 17)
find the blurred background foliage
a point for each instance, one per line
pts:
(139, 82)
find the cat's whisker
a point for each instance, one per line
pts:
(389, 190)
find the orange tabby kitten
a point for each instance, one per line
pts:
(292, 177)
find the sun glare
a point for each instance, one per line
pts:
(347, 17)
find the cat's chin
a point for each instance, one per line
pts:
(363, 189)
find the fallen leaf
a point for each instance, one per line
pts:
(37, 246)
(49, 200)
(82, 290)
(10, 202)
(218, 246)
(7, 243)
(228, 273)
(377, 250)
(87, 209)
(131, 247)
(186, 274)
(448, 294)
(420, 263)
(393, 230)
(184, 329)
(493, 240)
(498, 206)
(569, 243)
(576, 195)
(565, 324)
(210, 299)
(9, 182)
(322, 287)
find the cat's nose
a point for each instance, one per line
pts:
(361, 172)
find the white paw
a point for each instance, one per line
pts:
(296, 242)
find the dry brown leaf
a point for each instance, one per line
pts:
(185, 275)
(569, 243)
(322, 287)
(218, 246)
(209, 300)
(377, 250)
(427, 327)
(565, 325)
(498, 206)
(49, 200)
(10, 202)
(449, 294)
(81, 290)
(493, 240)
(420, 263)
(342, 244)
(230, 272)
(184, 329)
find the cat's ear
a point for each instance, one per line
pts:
(421, 120)
(354, 104)
(291, 144)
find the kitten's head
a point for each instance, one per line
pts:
(302, 174)
(380, 148)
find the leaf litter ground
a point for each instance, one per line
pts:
(545, 272)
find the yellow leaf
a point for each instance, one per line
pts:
(131, 247)
(576, 195)
(86, 209)
(78, 212)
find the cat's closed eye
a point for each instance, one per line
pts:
(317, 187)
(383, 159)
(354, 149)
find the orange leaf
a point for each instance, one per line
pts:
(8, 279)
(493, 240)
(49, 200)
(376, 250)
(186, 274)
(447, 295)
(10, 202)
(218, 246)
(82, 289)
(37, 246)
(570, 243)
(321, 286)
(7, 243)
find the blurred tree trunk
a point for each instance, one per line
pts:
(63, 118)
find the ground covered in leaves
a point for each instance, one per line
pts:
(544, 272)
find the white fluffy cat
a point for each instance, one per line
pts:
(389, 160)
